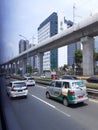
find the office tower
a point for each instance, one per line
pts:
(47, 29)
(23, 45)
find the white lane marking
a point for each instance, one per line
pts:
(51, 105)
(43, 101)
(63, 112)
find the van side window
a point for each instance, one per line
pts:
(65, 84)
(58, 84)
(52, 84)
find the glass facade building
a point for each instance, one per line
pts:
(71, 52)
(48, 28)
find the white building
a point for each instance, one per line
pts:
(43, 34)
(46, 29)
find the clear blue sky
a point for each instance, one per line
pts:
(24, 16)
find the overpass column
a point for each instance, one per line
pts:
(88, 61)
(24, 62)
(7, 69)
(16, 67)
(11, 68)
(33, 62)
(40, 62)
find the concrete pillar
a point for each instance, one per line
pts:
(40, 62)
(24, 64)
(4, 71)
(16, 67)
(33, 62)
(88, 50)
(11, 68)
(7, 68)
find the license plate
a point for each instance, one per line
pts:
(19, 90)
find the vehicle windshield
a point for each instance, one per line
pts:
(19, 84)
(30, 78)
(78, 84)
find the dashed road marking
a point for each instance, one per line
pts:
(66, 114)
(63, 112)
(43, 101)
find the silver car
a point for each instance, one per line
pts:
(17, 89)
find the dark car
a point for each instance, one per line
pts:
(69, 77)
(92, 80)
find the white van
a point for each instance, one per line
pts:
(68, 91)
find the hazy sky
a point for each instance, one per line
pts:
(24, 16)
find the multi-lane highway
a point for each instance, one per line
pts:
(38, 113)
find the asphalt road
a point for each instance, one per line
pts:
(38, 113)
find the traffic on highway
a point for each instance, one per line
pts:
(37, 112)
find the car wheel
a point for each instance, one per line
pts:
(47, 95)
(65, 102)
(10, 96)
(25, 96)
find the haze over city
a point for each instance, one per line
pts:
(23, 17)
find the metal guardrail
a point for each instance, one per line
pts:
(89, 90)
(92, 90)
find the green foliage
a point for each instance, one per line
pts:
(95, 56)
(92, 85)
(65, 67)
(78, 56)
(29, 69)
(34, 70)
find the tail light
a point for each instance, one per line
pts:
(72, 93)
(26, 88)
(13, 90)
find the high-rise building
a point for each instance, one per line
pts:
(72, 47)
(71, 52)
(23, 45)
(48, 28)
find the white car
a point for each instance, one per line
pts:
(17, 89)
(29, 81)
(68, 91)
(43, 76)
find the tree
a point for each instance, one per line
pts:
(29, 69)
(78, 56)
(95, 56)
(65, 67)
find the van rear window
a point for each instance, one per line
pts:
(78, 84)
